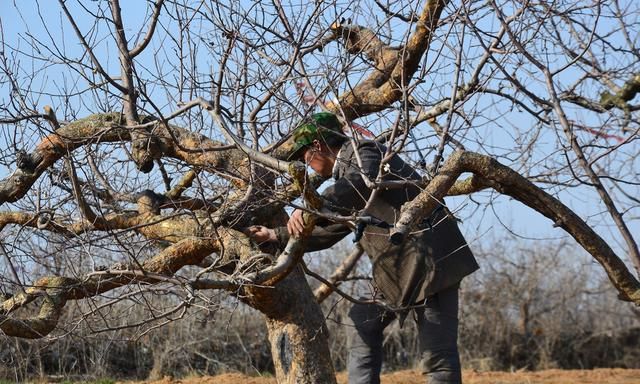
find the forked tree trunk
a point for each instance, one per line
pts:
(297, 331)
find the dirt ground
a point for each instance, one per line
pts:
(597, 376)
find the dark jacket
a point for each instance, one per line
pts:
(435, 256)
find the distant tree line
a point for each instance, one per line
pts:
(526, 309)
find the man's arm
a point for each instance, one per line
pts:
(324, 236)
(346, 196)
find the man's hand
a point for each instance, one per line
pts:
(295, 225)
(261, 234)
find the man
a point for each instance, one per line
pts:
(421, 275)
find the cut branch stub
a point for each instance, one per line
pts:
(361, 40)
(145, 148)
(620, 99)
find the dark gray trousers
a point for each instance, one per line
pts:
(437, 329)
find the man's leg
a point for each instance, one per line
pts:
(364, 340)
(438, 331)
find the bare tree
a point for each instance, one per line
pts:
(140, 143)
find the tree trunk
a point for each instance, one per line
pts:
(297, 331)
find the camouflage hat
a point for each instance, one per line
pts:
(323, 126)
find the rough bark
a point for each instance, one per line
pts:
(297, 331)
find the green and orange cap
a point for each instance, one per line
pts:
(323, 126)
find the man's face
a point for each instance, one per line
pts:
(320, 158)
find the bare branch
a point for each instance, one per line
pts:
(89, 50)
(340, 274)
(152, 27)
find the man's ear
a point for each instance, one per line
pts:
(316, 145)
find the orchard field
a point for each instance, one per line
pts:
(141, 142)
